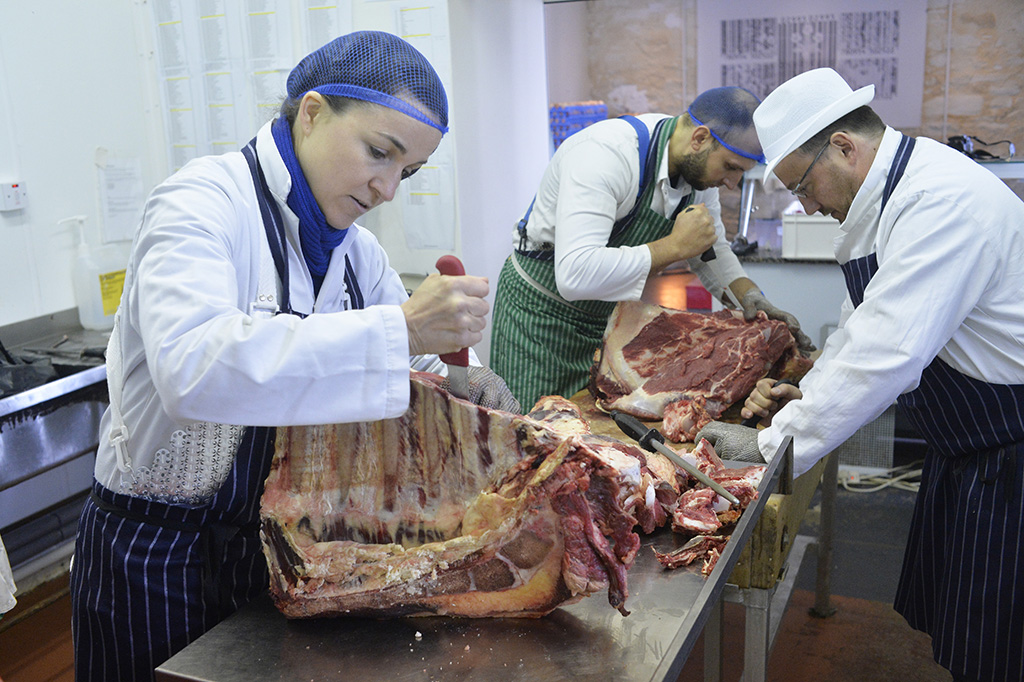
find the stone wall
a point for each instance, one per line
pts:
(643, 57)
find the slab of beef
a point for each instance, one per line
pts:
(451, 509)
(687, 368)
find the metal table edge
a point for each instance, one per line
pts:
(694, 622)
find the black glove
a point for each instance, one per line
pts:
(732, 441)
(487, 389)
(754, 300)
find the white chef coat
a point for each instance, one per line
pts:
(592, 181)
(950, 251)
(192, 355)
(7, 587)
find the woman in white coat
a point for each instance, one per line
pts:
(252, 300)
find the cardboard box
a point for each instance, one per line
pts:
(809, 237)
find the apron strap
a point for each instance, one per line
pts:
(119, 433)
(899, 165)
(648, 161)
(540, 287)
(355, 294)
(275, 244)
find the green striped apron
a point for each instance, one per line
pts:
(541, 346)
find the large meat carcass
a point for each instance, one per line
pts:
(452, 509)
(687, 368)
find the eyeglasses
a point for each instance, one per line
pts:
(801, 191)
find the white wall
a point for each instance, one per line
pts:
(566, 42)
(502, 141)
(786, 284)
(71, 81)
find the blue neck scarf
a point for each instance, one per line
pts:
(316, 237)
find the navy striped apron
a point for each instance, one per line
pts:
(150, 577)
(962, 580)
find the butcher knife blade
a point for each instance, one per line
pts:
(458, 362)
(652, 440)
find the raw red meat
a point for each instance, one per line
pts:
(701, 512)
(686, 368)
(696, 513)
(685, 418)
(461, 510)
(452, 509)
(697, 547)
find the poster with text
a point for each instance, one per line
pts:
(758, 45)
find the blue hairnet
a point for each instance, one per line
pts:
(377, 67)
(728, 113)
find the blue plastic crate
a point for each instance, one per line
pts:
(567, 119)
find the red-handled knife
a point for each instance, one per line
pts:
(458, 362)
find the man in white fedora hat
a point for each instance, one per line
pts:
(932, 248)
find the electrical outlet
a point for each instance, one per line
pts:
(849, 476)
(12, 196)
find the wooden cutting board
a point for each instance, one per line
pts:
(602, 424)
(763, 559)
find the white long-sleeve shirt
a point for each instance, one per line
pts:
(592, 181)
(192, 357)
(950, 251)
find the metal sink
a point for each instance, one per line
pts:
(52, 424)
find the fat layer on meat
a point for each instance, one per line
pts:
(451, 509)
(686, 368)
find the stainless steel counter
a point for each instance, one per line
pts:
(588, 640)
(48, 435)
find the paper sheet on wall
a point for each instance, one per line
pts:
(758, 45)
(222, 67)
(428, 207)
(428, 197)
(121, 196)
(322, 22)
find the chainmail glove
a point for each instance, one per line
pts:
(754, 300)
(487, 389)
(732, 441)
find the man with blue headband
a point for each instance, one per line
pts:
(621, 200)
(253, 300)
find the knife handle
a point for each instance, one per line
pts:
(752, 422)
(637, 430)
(452, 266)
(708, 255)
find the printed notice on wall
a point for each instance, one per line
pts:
(222, 67)
(428, 198)
(758, 45)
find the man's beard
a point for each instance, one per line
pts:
(691, 168)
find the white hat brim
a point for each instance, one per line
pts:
(815, 125)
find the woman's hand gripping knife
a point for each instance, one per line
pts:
(446, 314)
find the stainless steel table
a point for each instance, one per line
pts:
(588, 640)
